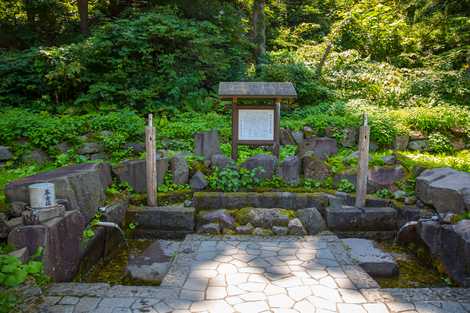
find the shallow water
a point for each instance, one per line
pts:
(113, 269)
(416, 268)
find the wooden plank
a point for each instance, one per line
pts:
(257, 89)
(151, 166)
(234, 129)
(363, 166)
(277, 122)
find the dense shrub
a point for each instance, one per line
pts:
(151, 62)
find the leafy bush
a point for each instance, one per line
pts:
(439, 143)
(231, 180)
(152, 61)
(346, 186)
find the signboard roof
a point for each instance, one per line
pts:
(257, 90)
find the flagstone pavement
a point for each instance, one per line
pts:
(311, 274)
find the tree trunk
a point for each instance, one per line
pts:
(259, 30)
(323, 59)
(83, 11)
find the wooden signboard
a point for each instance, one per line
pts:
(256, 125)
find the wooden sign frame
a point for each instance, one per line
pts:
(275, 143)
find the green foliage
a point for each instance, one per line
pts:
(151, 61)
(384, 193)
(312, 184)
(88, 232)
(169, 186)
(459, 161)
(439, 143)
(346, 186)
(231, 180)
(13, 273)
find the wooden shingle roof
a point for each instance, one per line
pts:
(256, 90)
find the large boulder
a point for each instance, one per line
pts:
(35, 156)
(90, 148)
(418, 145)
(179, 169)
(296, 228)
(380, 177)
(322, 147)
(267, 218)
(154, 262)
(373, 260)
(83, 186)
(198, 182)
(314, 167)
(267, 164)
(401, 142)
(220, 216)
(348, 218)
(207, 144)
(289, 170)
(5, 154)
(451, 245)
(445, 189)
(60, 238)
(220, 161)
(164, 221)
(311, 220)
(134, 173)
(350, 136)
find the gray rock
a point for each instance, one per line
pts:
(322, 147)
(134, 173)
(135, 146)
(116, 212)
(259, 231)
(280, 230)
(220, 216)
(4, 228)
(348, 218)
(267, 218)
(445, 189)
(5, 153)
(350, 136)
(418, 145)
(296, 228)
(172, 218)
(98, 156)
(17, 208)
(207, 144)
(314, 167)
(384, 177)
(82, 185)
(267, 163)
(451, 244)
(389, 159)
(289, 170)
(211, 228)
(60, 238)
(373, 260)
(154, 262)
(36, 156)
(312, 220)
(198, 182)
(244, 229)
(285, 137)
(221, 161)
(298, 137)
(401, 142)
(62, 147)
(90, 148)
(179, 169)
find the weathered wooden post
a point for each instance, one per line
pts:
(151, 162)
(363, 165)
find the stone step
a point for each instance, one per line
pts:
(349, 218)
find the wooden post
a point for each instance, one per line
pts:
(151, 162)
(234, 129)
(277, 120)
(363, 166)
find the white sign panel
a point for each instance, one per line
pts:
(256, 125)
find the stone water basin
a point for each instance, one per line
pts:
(141, 262)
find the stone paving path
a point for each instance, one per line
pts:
(312, 274)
